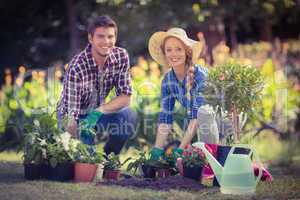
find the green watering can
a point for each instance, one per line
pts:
(237, 175)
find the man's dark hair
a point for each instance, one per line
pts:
(102, 21)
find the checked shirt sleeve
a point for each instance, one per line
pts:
(123, 81)
(167, 103)
(197, 91)
(73, 93)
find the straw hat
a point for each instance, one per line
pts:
(157, 39)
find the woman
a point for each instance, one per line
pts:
(184, 82)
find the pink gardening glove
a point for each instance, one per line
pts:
(266, 176)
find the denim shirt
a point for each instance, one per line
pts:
(172, 89)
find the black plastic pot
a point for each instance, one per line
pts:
(194, 173)
(62, 172)
(45, 171)
(222, 154)
(32, 171)
(149, 171)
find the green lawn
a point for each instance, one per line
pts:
(286, 185)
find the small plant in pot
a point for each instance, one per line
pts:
(61, 156)
(112, 166)
(143, 165)
(37, 135)
(150, 168)
(193, 160)
(234, 90)
(87, 164)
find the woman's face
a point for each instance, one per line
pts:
(175, 52)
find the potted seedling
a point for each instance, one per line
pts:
(112, 165)
(150, 168)
(37, 135)
(61, 156)
(193, 160)
(87, 163)
(143, 164)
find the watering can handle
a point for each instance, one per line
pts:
(241, 146)
(256, 158)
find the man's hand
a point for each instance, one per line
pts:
(90, 120)
(72, 128)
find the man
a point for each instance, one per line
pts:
(89, 78)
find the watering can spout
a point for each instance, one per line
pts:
(215, 165)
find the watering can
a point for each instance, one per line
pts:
(237, 176)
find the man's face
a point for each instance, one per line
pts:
(103, 40)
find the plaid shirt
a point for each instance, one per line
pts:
(172, 89)
(85, 86)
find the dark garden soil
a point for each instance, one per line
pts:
(164, 184)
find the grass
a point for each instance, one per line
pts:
(286, 185)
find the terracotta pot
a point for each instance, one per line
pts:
(84, 172)
(194, 173)
(163, 173)
(112, 174)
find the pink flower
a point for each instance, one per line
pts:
(222, 77)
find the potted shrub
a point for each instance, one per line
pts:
(86, 165)
(193, 160)
(234, 90)
(112, 165)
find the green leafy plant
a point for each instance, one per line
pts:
(62, 149)
(236, 89)
(38, 134)
(144, 159)
(83, 154)
(112, 162)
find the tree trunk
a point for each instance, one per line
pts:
(266, 30)
(73, 32)
(236, 124)
(232, 32)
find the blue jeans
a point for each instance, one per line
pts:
(119, 125)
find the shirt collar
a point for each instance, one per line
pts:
(176, 79)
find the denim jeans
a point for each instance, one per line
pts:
(119, 125)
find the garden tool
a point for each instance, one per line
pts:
(237, 176)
